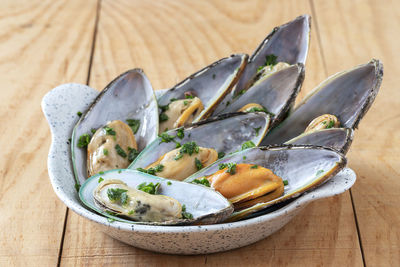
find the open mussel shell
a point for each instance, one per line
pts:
(210, 84)
(337, 138)
(206, 205)
(289, 42)
(225, 133)
(304, 167)
(276, 93)
(129, 96)
(348, 95)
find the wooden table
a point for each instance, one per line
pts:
(46, 43)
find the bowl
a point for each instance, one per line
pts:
(60, 107)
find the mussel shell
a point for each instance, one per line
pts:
(129, 96)
(348, 95)
(339, 139)
(305, 167)
(210, 84)
(206, 205)
(225, 133)
(289, 42)
(276, 93)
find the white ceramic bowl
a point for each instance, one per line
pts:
(60, 107)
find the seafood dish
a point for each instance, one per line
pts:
(226, 143)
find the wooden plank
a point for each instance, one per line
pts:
(352, 32)
(171, 40)
(42, 44)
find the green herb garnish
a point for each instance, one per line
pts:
(134, 124)
(180, 133)
(178, 145)
(77, 187)
(163, 117)
(120, 151)
(166, 138)
(330, 125)
(228, 103)
(185, 214)
(248, 144)
(285, 182)
(231, 167)
(319, 172)
(221, 155)
(164, 108)
(153, 170)
(244, 157)
(115, 194)
(132, 154)
(109, 131)
(257, 130)
(93, 131)
(131, 212)
(188, 148)
(84, 140)
(188, 96)
(79, 113)
(101, 172)
(254, 167)
(169, 183)
(199, 166)
(202, 181)
(100, 179)
(185, 102)
(149, 188)
(105, 152)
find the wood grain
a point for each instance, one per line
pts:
(372, 30)
(42, 44)
(170, 40)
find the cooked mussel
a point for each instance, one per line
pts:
(128, 98)
(347, 95)
(301, 167)
(116, 194)
(196, 97)
(176, 154)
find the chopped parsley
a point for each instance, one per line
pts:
(109, 131)
(319, 172)
(166, 138)
(172, 100)
(185, 102)
(257, 130)
(254, 167)
(285, 182)
(152, 171)
(163, 117)
(117, 194)
(188, 148)
(105, 152)
(93, 131)
(110, 220)
(221, 155)
(180, 133)
(79, 113)
(228, 103)
(185, 214)
(202, 181)
(100, 179)
(231, 167)
(169, 183)
(178, 145)
(77, 187)
(134, 124)
(241, 92)
(120, 151)
(149, 188)
(131, 212)
(248, 144)
(199, 166)
(132, 154)
(244, 157)
(84, 140)
(330, 125)
(257, 109)
(164, 108)
(101, 172)
(270, 60)
(189, 96)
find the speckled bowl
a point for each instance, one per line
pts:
(60, 107)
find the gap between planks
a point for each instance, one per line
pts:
(96, 23)
(318, 35)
